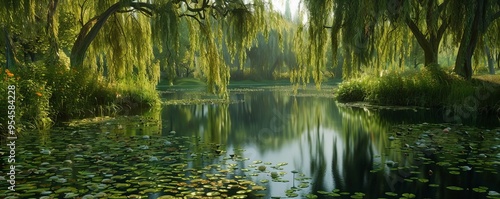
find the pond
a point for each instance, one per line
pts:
(269, 142)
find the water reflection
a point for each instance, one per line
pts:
(332, 147)
(336, 148)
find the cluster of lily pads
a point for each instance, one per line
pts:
(100, 161)
(453, 150)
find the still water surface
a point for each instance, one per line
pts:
(340, 148)
(303, 143)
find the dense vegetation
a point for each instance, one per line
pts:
(429, 87)
(82, 58)
(397, 36)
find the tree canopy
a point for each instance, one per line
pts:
(116, 39)
(365, 30)
(125, 40)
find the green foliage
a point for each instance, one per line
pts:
(419, 87)
(8, 80)
(428, 87)
(32, 95)
(44, 95)
(351, 91)
(113, 63)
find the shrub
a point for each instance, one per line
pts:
(56, 93)
(428, 87)
(351, 91)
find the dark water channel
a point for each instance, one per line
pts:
(270, 143)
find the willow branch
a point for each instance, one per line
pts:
(192, 16)
(203, 6)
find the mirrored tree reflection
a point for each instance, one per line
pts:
(336, 146)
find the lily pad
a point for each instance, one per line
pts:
(455, 188)
(391, 194)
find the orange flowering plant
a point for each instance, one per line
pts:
(9, 74)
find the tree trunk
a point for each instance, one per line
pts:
(87, 35)
(498, 60)
(463, 63)
(340, 65)
(9, 51)
(278, 63)
(489, 57)
(347, 64)
(431, 46)
(52, 32)
(431, 55)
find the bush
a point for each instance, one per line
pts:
(351, 91)
(428, 87)
(31, 95)
(45, 95)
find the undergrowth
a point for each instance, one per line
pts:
(427, 87)
(46, 95)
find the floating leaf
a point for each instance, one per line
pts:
(391, 194)
(479, 190)
(258, 188)
(303, 185)
(409, 195)
(323, 192)
(213, 193)
(423, 180)
(454, 172)
(311, 196)
(455, 188)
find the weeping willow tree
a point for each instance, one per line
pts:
(471, 27)
(271, 53)
(366, 33)
(491, 43)
(114, 39)
(23, 35)
(107, 49)
(310, 42)
(118, 40)
(376, 33)
(366, 30)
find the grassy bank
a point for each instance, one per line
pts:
(45, 96)
(428, 87)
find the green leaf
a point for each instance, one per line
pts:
(455, 188)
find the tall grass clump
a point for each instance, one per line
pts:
(427, 87)
(81, 94)
(353, 90)
(136, 94)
